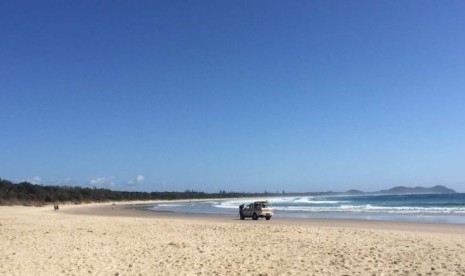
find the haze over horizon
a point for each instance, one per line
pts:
(249, 96)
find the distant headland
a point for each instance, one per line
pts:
(438, 189)
(401, 190)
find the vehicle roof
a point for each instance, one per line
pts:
(261, 201)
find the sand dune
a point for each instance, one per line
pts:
(95, 240)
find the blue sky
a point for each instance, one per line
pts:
(233, 95)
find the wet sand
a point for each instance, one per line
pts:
(109, 239)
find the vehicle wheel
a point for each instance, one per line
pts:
(254, 217)
(242, 217)
(268, 217)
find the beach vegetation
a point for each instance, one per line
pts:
(25, 193)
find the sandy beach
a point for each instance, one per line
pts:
(102, 239)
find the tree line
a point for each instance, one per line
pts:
(25, 193)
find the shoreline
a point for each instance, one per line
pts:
(126, 210)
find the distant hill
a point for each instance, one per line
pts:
(417, 190)
(354, 192)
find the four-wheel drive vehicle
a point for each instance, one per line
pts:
(258, 209)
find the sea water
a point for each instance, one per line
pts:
(436, 208)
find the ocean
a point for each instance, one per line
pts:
(434, 208)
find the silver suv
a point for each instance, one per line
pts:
(258, 209)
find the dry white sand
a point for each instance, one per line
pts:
(96, 240)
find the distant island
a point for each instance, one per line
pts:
(438, 189)
(401, 190)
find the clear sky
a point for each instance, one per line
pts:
(233, 95)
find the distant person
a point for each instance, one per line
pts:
(241, 210)
(55, 207)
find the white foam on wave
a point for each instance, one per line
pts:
(276, 201)
(374, 209)
(230, 204)
(169, 205)
(312, 200)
